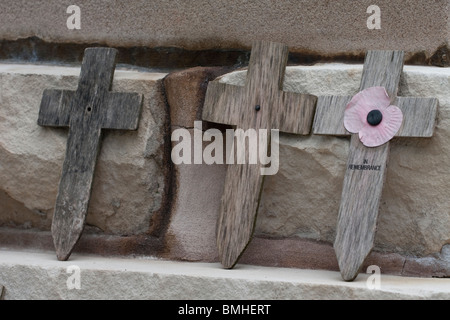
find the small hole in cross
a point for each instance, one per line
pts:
(89, 109)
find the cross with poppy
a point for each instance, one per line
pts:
(372, 117)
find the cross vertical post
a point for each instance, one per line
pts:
(86, 111)
(259, 104)
(362, 188)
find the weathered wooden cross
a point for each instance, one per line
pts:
(86, 111)
(260, 104)
(362, 188)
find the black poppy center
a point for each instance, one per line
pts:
(374, 117)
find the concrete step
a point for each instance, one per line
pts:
(38, 275)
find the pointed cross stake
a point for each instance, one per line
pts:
(260, 104)
(362, 189)
(86, 111)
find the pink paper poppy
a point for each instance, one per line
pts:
(370, 114)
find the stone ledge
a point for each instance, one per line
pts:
(38, 275)
(265, 252)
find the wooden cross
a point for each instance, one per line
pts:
(362, 189)
(86, 111)
(260, 104)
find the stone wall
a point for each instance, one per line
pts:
(142, 204)
(308, 26)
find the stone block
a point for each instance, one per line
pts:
(191, 234)
(185, 92)
(130, 182)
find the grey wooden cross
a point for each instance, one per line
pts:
(260, 104)
(362, 189)
(86, 111)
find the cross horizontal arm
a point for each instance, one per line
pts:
(293, 112)
(223, 103)
(419, 115)
(122, 111)
(55, 108)
(329, 118)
